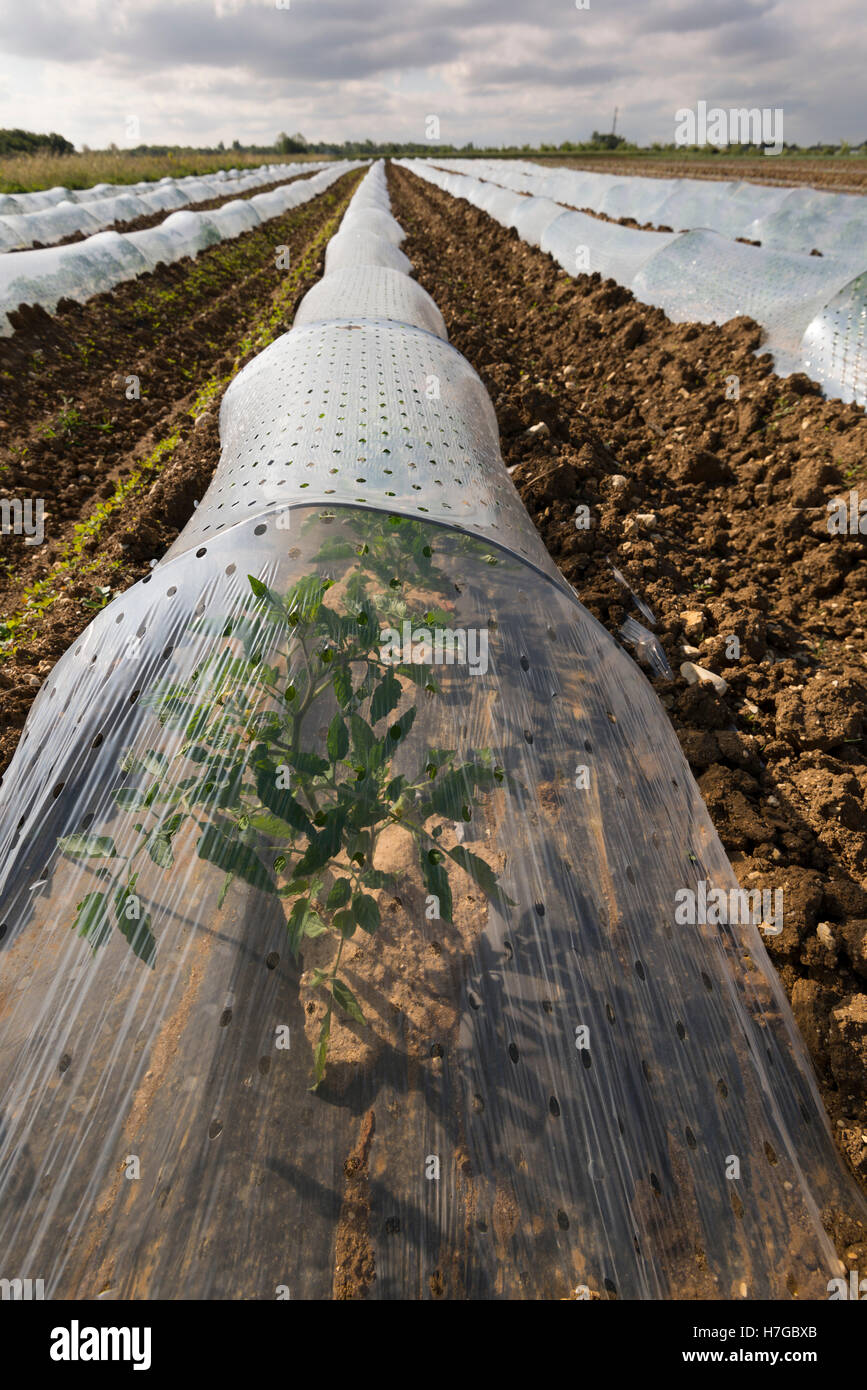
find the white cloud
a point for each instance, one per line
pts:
(199, 71)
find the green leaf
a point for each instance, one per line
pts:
(294, 924)
(437, 758)
(335, 550)
(324, 846)
(295, 885)
(376, 878)
(436, 880)
(132, 798)
(364, 740)
(368, 750)
(304, 598)
(345, 922)
(281, 802)
(150, 762)
(234, 857)
(310, 764)
(267, 595)
(136, 930)
(303, 921)
(347, 1000)
(88, 846)
(159, 847)
(338, 739)
(314, 925)
(438, 617)
(386, 697)
(419, 675)
(342, 682)
(159, 840)
(451, 791)
(229, 785)
(321, 1052)
(366, 911)
(92, 920)
(401, 728)
(341, 892)
(273, 826)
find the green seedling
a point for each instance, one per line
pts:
(274, 804)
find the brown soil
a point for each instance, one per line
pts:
(715, 511)
(840, 175)
(69, 435)
(153, 219)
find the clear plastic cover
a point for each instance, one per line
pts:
(354, 248)
(702, 274)
(586, 244)
(354, 799)
(84, 268)
(704, 277)
(795, 219)
(531, 216)
(364, 217)
(370, 292)
(24, 221)
(834, 347)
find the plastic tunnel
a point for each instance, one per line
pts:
(343, 866)
(81, 269)
(811, 308)
(23, 222)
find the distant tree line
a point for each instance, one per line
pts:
(598, 143)
(27, 142)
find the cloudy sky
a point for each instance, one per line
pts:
(494, 71)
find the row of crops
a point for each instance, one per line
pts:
(339, 867)
(813, 307)
(81, 269)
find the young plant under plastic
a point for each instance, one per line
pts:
(300, 825)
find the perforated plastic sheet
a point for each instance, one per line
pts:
(778, 216)
(370, 292)
(554, 1074)
(834, 347)
(531, 216)
(23, 223)
(584, 244)
(840, 230)
(81, 269)
(623, 198)
(366, 218)
(703, 275)
(374, 414)
(354, 248)
(52, 224)
(504, 205)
